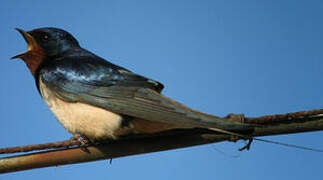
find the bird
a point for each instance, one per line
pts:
(98, 100)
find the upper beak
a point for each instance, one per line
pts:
(30, 41)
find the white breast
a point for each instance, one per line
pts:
(80, 118)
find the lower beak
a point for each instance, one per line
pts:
(30, 41)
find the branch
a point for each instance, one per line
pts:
(269, 125)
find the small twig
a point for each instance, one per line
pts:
(35, 147)
(247, 147)
(284, 118)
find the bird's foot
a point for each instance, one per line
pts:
(81, 139)
(84, 142)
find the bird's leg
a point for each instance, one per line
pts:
(84, 141)
(76, 137)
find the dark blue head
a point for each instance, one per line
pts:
(45, 43)
(54, 41)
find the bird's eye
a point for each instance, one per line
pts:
(45, 37)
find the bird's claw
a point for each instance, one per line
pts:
(84, 142)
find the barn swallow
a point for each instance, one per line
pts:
(99, 100)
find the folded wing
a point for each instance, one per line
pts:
(100, 83)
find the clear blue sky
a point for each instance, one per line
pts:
(220, 57)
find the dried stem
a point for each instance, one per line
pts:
(68, 152)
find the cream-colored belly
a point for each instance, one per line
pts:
(79, 118)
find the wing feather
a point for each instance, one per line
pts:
(124, 92)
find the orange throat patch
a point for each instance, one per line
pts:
(34, 58)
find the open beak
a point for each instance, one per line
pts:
(30, 41)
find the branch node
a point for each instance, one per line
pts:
(236, 117)
(247, 147)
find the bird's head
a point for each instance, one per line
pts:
(45, 43)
